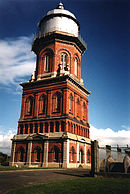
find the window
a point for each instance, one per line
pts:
(56, 101)
(26, 129)
(31, 128)
(21, 129)
(70, 102)
(47, 63)
(75, 66)
(37, 152)
(62, 126)
(78, 107)
(72, 154)
(41, 127)
(57, 126)
(81, 156)
(21, 154)
(84, 110)
(51, 127)
(63, 60)
(42, 104)
(46, 127)
(56, 154)
(88, 156)
(29, 105)
(36, 128)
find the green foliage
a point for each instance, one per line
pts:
(4, 159)
(81, 185)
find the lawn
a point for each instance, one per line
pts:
(80, 185)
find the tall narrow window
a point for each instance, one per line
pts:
(62, 126)
(42, 104)
(26, 128)
(81, 156)
(30, 105)
(72, 154)
(38, 151)
(77, 107)
(58, 102)
(88, 156)
(47, 63)
(70, 102)
(63, 60)
(21, 154)
(51, 127)
(57, 126)
(84, 110)
(41, 127)
(31, 128)
(36, 127)
(75, 66)
(56, 154)
(46, 127)
(21, 129)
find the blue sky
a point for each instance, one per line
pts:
(105, 64)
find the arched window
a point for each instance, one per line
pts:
(42, 104)
(37, 152)
(78, 107)
(81, 156)
(56, 154)
(56, 102)
(88, 156)
(63, 60)
(47, 63)
(21, 150)
(29, 105)
(71, 102)
(75, 66)
(72, 154)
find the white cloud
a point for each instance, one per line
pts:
(16, 59)
(5, 139)
(104, 136)
(110, 137)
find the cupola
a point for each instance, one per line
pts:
(59, 20)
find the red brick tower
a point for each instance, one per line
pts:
(53, 128)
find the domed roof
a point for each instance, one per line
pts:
(60, 9)
(60, 20)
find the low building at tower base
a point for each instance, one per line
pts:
(60, 150)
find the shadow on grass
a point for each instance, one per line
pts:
(77, 173)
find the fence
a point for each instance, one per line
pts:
(108, 158)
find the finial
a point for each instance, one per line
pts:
(60, 6)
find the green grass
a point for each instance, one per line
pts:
(80, 185)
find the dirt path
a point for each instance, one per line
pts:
(15, 179)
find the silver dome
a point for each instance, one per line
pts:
(59, 20)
